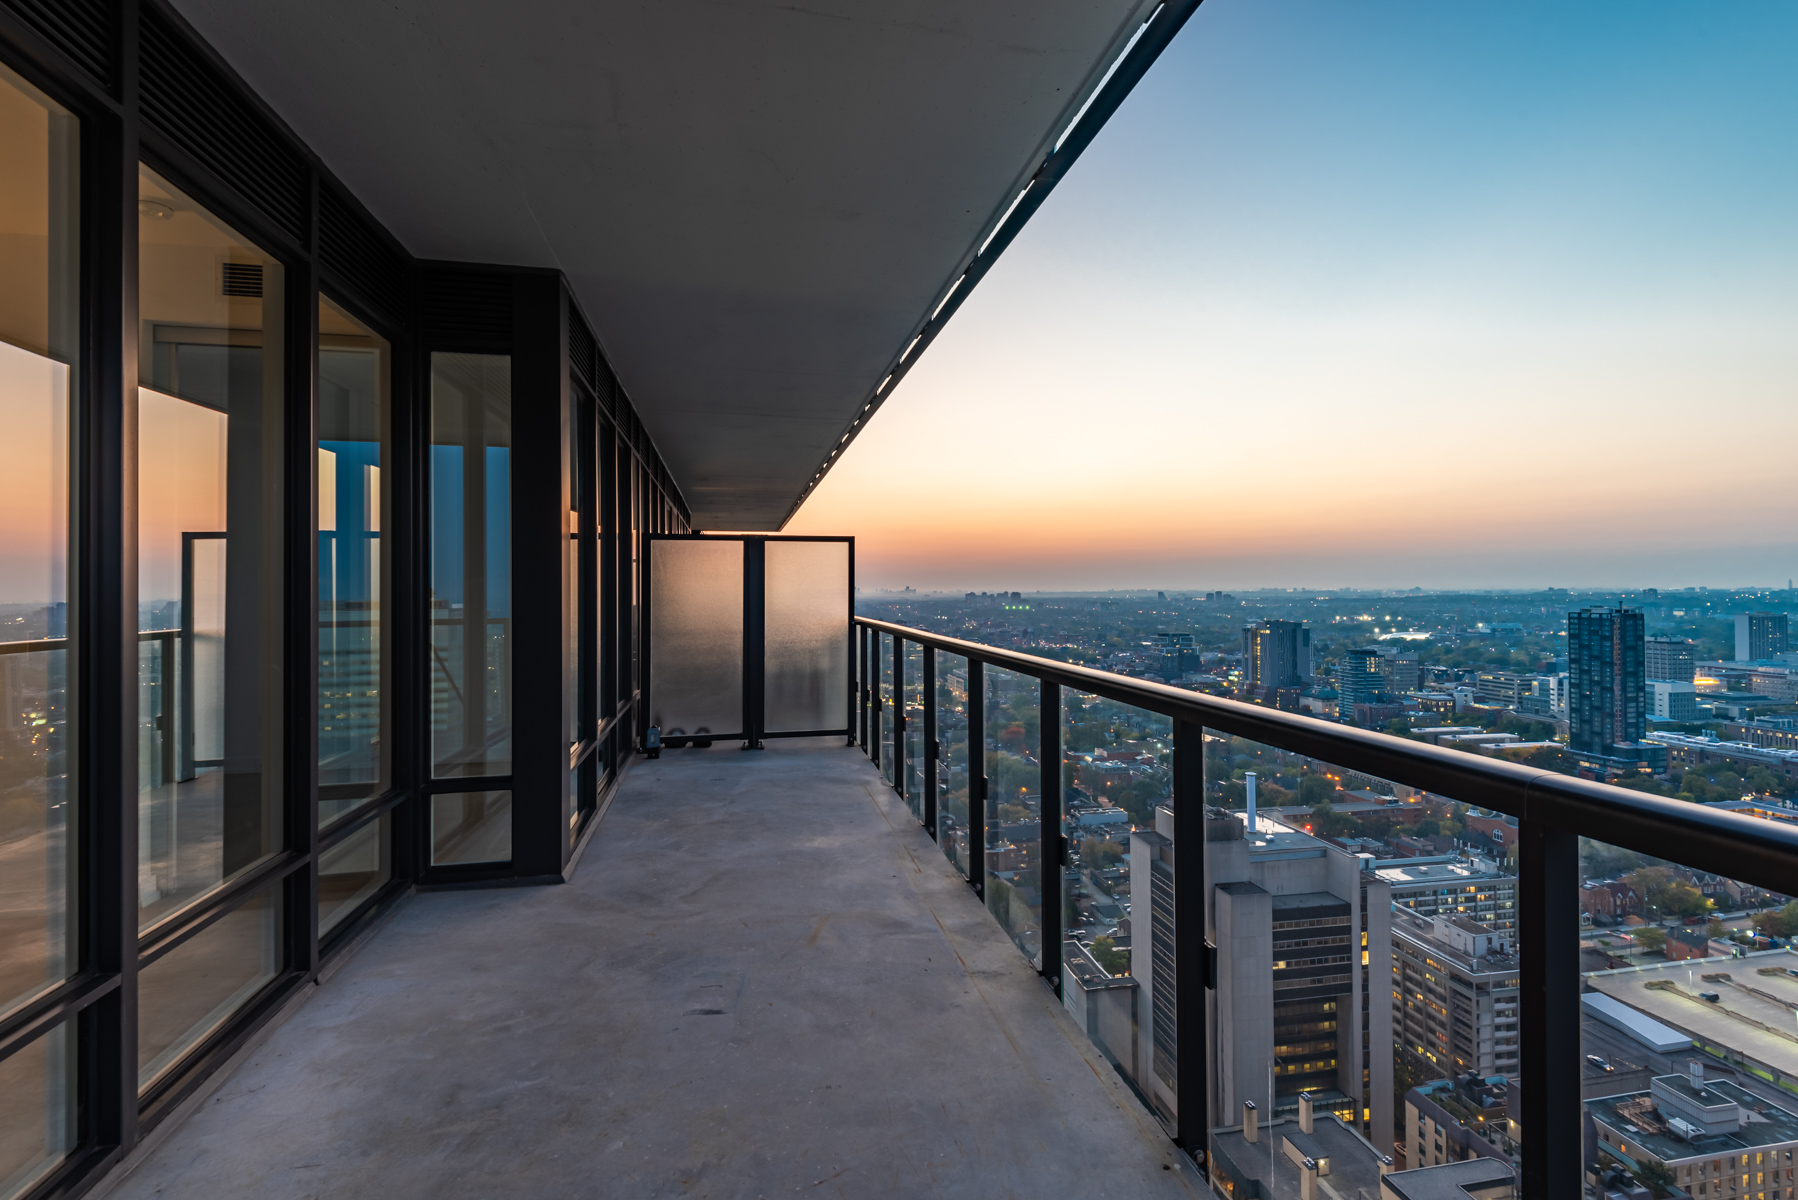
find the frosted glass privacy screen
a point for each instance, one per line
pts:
(807, 632)
(696, 637)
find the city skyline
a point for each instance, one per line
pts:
(1332, 297)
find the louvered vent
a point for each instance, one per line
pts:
(351, 248)
(188, 101)
(243, 279)
(470, 310)
(81, 29)
(582, 349)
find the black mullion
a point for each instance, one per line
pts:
(74, 994)
(163, 937)
(300, 702)
(755, 576)
(1049, 828)
(106, 590)
(350, 823)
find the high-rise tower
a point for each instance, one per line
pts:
(1604, 658)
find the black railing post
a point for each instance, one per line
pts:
(928, 686)
(876, 707)
(863, 660)
(977, 776)
(1548, 943)
(899, 715)
(1053, 855)
(1192, 1077)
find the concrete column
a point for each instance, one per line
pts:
(1308, 1179)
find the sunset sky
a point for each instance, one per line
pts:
(1379, 294)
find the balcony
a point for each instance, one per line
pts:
(763, 978)
(404, 786)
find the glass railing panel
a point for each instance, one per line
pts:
(1367, 979)
(1688, 1034)
(912, 696)
(884, 674)
(1116, 771)
(1012, 738)
(952, 758)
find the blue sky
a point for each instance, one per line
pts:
(1381, 294)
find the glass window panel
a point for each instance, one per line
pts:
(471, 564)
(190, 992)
(353, 563)
(883, 643)
(210, 542)
(807, 635)
(38, 343)
(912, 696)
(471, 827)
(351, 872)
(1014, 816)
(952, 767)
(1366, 959)
(696, 686)
(37, 1110)
(1116, 772)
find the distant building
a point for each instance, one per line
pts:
(1455, 1009)
(1459, 1119)
(1671, 700)
(1275, 654)
(1687, 943)
(1761, 635)
(1772, 733)
(1474, 888)
(1714, 1138)
(1358, 681)
(1608, 901)
(1607, 701)
(1302, 931)
(1686, 752)
(1401, 669)
(1504, 688)
(1668, 658)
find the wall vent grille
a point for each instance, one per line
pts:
(81, 29)
(583, 351)
(466, 310)
(243, 279)
(187, 100)
(351, 248)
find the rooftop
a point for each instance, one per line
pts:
(1478, 1178)
(1353, 1162)
(1637, 1117)
(1414, 872)
(1750, 1015)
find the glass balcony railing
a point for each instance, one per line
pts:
(1213, 890)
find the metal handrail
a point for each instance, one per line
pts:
(1764, 853)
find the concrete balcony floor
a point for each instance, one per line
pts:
(763, 980)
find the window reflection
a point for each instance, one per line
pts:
(191, 991)
(351, 872)
(471, 564)
(38, 341)
(37, 1110)
(471, 827)
(209, 550)
(353, 509)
